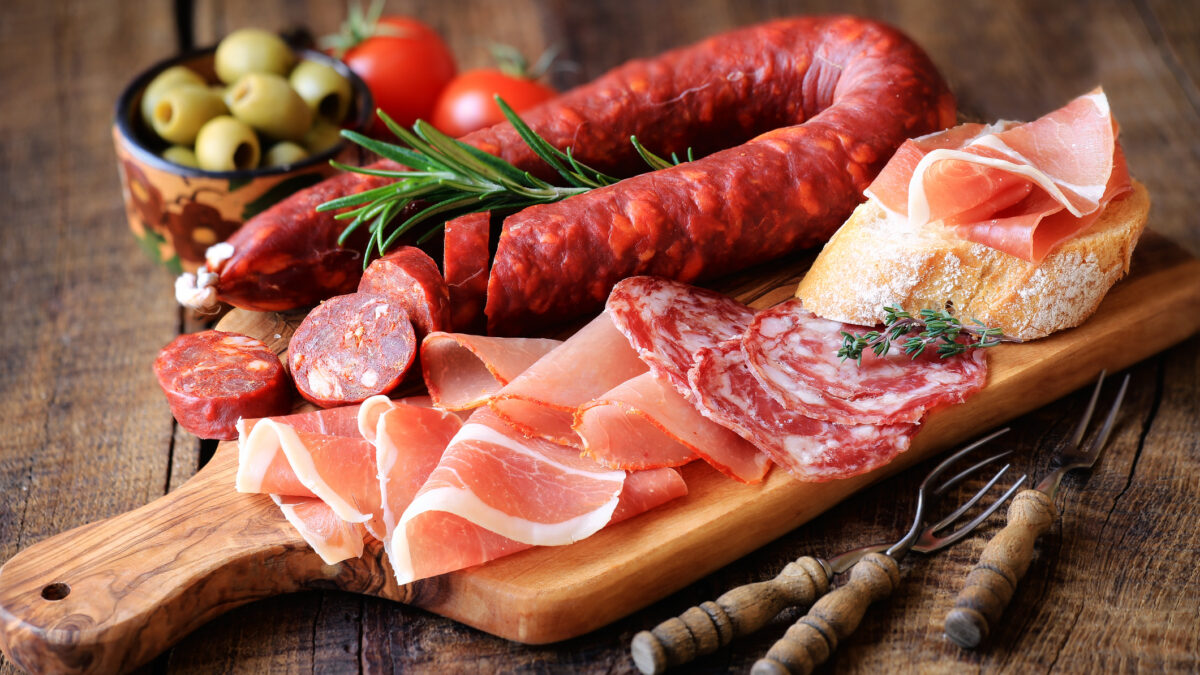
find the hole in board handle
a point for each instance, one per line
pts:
(56, 591)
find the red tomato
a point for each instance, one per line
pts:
(405, 72)
(466, 104)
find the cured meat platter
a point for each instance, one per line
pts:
(110, 595)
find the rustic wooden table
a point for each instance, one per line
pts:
(87, 434)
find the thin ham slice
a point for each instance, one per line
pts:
(644, 423)
(509, 486)
(793, 354)
(463, 371)
(1019, 188)
(331, 537)
(409, 442)
(810, 449)
(541, 401)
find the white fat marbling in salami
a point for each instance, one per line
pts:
(810, 449)
(668, 321)
(793, 353)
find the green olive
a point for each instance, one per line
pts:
(321, 137)
(226, 144)
(250, 50)
(177, 154)
(284, 153)
(266, 102)
(163, 82)
(323, 88)
(180, 112)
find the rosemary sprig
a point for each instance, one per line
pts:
(450, 178)
(933, 327)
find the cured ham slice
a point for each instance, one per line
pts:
(492, 483)
(644, 423)
(793, 354)
(542, 400)
(810, 449)
(409, 442)
(331, 537)
(1018, 188)
(463, 371)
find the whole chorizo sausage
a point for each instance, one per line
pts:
(876, 88)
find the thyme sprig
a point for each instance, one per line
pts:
(448, 178)
(933, 327)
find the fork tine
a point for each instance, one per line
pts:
(937, 471)
(963, 531)
(1081, 428)
(970, 470)
(970, 502)
(1097, 445)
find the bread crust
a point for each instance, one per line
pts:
(873, 261)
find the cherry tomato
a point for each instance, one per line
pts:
(406, 65)
(467, 102)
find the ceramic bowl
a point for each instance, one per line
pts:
(177, 212)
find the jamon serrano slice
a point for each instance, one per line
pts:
(810, 449)
(496, 491)
(793, 353)
(463, 371)
(331, 537)
(409, 442)
(1018, 188)
(644, 423)
(542, 400)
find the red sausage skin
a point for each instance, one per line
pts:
(411, 278)
(855, 91)
(466, 265)
(213, 378)
(351, 347)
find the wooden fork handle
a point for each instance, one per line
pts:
(810, 641)
(992, 581)
(741, 611)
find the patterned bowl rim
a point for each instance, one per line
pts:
(124, 119)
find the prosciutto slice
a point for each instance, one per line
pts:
(541, 402)
(644, 423)
(810, 449)
(463, 371)
(493, 483)
(793, 354)
(1018, 188)
(331, 537)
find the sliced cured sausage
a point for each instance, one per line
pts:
(350, 348)
(411, 278)
(810, 449)
(213, 378)
(542, 400)
(793, 353)
(463, 371)
(466, 261)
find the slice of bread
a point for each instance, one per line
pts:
(874, 260)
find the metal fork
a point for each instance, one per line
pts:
(993, 580)
(743, 610)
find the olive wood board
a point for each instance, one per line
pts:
(111, 595)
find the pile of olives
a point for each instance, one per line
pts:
(262, 100)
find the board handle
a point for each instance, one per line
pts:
(810, 641)
(109, 596)
(704, 629)
(992, 582)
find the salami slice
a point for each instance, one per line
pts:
(668, 321)
(213, 378)
(810, 449)
(466, 260)
(350, 348)
(793, 353)
(411, 278)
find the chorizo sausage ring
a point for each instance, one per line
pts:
(819, 105)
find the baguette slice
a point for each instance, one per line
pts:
(874, 260)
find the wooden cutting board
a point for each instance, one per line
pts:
(111, 595)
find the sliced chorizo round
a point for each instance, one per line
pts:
(410, 277)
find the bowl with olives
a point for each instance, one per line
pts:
(208, 139)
